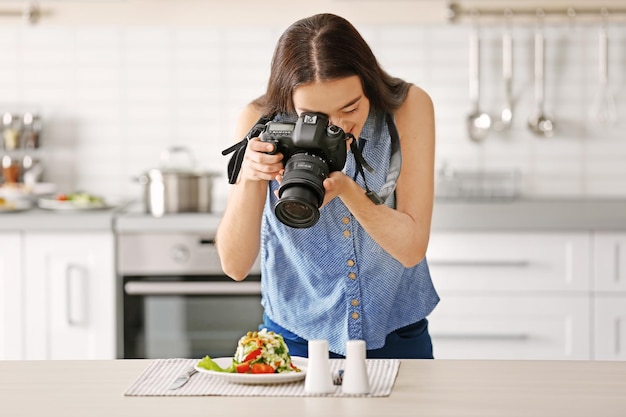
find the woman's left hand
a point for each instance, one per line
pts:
(336, 183)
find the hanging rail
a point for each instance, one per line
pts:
(31, 13)
(457, 13)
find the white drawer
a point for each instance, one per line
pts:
(610, 327)
(511, 327)
(609, 258)
(510, 261)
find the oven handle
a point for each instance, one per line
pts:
(192, 288)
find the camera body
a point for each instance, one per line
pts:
(311, 134)
(312, 149)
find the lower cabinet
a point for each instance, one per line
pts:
(70, 302)
(609, 314)
(512, 295)
(609, 301)
(11, 297)
(511, 327)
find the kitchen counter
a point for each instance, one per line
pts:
(134, 219)
(453, 215)
(423, 388)
(529, 214)
(41, 220)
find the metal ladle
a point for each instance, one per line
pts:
(506, 113)
(478, 122)
(540, 122)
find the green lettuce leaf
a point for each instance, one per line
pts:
(210, 365)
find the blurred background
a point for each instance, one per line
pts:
(113, 83)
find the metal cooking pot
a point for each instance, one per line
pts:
(177, 188)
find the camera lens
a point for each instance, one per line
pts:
(302, 191)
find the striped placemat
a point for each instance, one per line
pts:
(160, 373)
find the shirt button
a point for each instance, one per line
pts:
(352, 275)
(345, 220)
(354, 302)
(346, 233)
(355, 315)
(350, 262)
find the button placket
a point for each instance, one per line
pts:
(353, 286)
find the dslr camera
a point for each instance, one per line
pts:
(312, 149)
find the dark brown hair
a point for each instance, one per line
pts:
(326, 47)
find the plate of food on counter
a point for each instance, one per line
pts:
(260, 358)
(72, 202)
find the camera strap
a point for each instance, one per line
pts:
(394, 164)
(361, 163)
(239, 149)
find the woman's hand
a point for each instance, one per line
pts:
(258, 165)
(336, 183)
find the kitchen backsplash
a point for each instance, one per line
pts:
(112, 98)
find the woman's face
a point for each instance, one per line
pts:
(343, 100)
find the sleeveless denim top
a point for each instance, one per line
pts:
(333, 281)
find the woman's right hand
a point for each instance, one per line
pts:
(258, 165)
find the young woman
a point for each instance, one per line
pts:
(360, 272)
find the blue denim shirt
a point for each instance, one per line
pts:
(333, 281)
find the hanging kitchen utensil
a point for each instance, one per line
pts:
(603, 110)
(506, 114)
(540, 122)
(478, 122)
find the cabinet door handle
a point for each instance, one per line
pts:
(617, 262)
(76, 284)
(481, 336)
(489, 263)
(192, 288)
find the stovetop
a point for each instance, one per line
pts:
(134, 218)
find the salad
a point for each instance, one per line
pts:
(262, 352)
(80, 198)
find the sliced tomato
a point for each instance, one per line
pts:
(62, 197)
(262, 368)
(253, 355)
(243, 368)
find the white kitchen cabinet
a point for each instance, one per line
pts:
(609, 262)
(511, 327)
(609, 302)
(511, 295)
(610, 327)
(11, 296)
(70, 308)
(501, 261)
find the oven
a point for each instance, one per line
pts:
(175, 299)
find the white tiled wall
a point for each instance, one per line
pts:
(112, 98)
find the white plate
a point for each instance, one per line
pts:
(15, 206)
(265, 379)
(54, 204)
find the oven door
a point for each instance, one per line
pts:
(188, 316)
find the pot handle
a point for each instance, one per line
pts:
(168, 155)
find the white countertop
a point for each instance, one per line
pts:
(452, 215)
(43, 220)
(423, 388)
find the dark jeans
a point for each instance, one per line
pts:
(409, 342)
